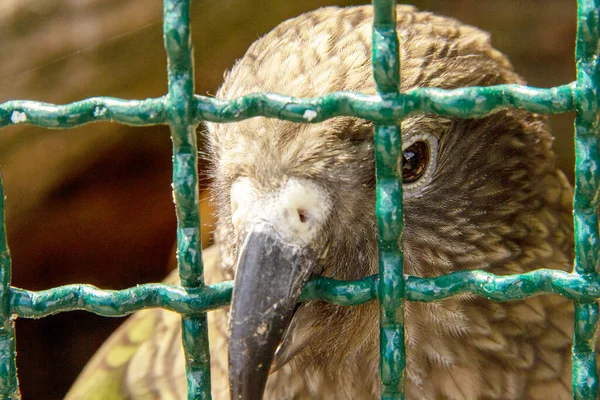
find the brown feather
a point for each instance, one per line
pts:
(496, 201)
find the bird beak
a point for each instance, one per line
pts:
(269, 278)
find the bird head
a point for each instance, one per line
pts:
(296, 200)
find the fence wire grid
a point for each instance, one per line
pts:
(183, 110)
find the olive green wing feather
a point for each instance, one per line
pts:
(142, 359)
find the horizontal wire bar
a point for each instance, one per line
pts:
(117, 303)
(94, 109)
(114, 303)
(504, 288)
(343, 293)
(470, 102)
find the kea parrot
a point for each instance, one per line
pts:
(297, 200)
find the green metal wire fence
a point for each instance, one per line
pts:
(182, 110)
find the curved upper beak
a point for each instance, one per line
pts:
(269, 278)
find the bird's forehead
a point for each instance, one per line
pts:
(284, 135)
(329, 50)
(306, 57)
(271, 129)
(269, 148)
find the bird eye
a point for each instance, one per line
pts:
(419, 159)
(415, 159)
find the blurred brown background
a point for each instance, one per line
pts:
(94, 204)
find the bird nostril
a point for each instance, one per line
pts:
(302, 215)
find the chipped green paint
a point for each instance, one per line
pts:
(95, 109)
(474, 102)
(180, 105)
(503, 288)
(343, 293)
(182, 110)
(390, 214)
(9, 384)
(114, 303)
(585, 202)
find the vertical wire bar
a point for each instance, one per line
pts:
(585, 204)
(180, 103)
(390, 219)
(9, 383)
